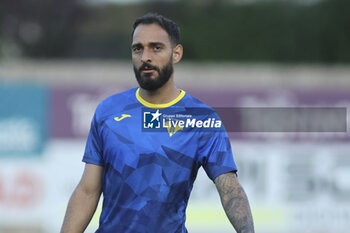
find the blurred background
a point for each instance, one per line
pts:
(60, 58)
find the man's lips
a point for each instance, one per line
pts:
(148, 71)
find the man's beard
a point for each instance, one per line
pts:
(146, 82)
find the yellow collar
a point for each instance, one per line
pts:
(150, 105)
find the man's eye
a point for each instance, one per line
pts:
(136, 49)
(157, 48)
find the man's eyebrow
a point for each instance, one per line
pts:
(153, 44)
(136, 45)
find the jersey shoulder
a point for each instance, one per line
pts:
(192, 102)
(196, 106)
(201, 111)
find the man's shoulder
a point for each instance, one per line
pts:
(199, 109)
(194, 102)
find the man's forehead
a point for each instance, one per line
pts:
(148, 33)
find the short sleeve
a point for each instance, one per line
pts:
(215, 154)
(93, 148)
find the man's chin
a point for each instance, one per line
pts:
(147, 77)
(150, 84)
(153, 74)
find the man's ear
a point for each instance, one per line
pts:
(177, 53)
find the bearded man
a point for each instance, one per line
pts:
(144, 167)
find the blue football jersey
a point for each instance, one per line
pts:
(151, 154)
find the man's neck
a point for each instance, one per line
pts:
(162, 95)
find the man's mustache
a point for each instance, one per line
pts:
(146, 66)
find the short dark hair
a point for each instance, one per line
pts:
(167, 24)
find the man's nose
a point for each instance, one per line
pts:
(146, 56)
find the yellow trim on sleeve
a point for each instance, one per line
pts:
(150, 105)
